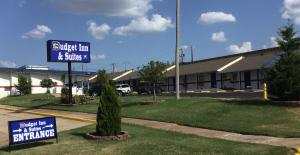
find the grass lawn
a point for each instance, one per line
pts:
(145, 141)
(247, 117)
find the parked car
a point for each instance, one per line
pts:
(123, 89)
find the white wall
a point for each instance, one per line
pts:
(4, 85)
(9, 80)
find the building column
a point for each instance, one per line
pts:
(222, 84)
(257, 76)
(168, 81)
(185, 83)
(10, 84)
(240, 75)
(197, 81)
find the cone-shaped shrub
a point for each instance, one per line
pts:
(108, 115)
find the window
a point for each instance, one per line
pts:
(201, 80)
(235, 76)
(224, 76)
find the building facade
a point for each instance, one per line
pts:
(9, 78)
(235, 72)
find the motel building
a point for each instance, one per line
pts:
(244, 71)
(9, 78)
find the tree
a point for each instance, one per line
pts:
(24, 85)
(101, 79)
(284, 77)
(153, 73)
(108, 115)
(47, 83)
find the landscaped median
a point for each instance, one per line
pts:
(247, 117)
(145, 141)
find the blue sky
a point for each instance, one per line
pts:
(133, 32)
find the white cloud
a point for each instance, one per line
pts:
(216, 17)
(39, 32)
(98, 56)
(273, 42)
(219, 37)
(264, 46)
(120, 42)
(98, 31)
(291, 10)
(121, 8)
(184, 47)
(21, 3)
(7, 64)
(246, 47)
(144, 25)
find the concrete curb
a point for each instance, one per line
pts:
(50, 114)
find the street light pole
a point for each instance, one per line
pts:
(177, 48)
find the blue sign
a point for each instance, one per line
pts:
(68, 51)
(23, 131)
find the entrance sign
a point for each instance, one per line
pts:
(68, 51)
(24, 131)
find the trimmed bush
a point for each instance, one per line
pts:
(108, 115)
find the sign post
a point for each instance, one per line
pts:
(70, 81)
(30, 130)
(68, 51)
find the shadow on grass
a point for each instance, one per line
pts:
(131, 104)
(24, 146)
(35, 107)
(257, 103)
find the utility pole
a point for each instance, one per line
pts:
(177, 48)
(192, 54)
(113, 67)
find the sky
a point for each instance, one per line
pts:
(130, 33)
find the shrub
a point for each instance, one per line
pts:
(64, 91)
(108, 115)
(24, 85)
(64, 99)
(77, 99)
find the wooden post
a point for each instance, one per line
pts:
(265, 91)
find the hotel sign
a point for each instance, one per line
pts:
(24, 131)
(68, 51)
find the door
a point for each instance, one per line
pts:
(247, 76)
(213, 79)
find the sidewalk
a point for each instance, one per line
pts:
(91, 118)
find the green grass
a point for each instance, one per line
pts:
(143, 141)
(247, 117)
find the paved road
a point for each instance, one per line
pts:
(5, 116)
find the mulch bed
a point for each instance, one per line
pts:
(121, 137)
